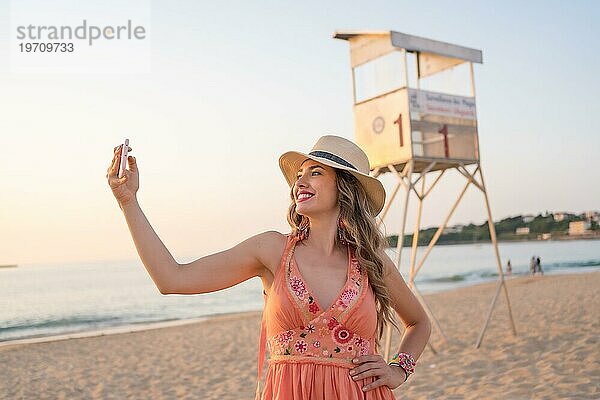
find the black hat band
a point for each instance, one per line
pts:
(332, 157)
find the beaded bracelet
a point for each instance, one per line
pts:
(404, 361)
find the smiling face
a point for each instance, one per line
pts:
(315, 190)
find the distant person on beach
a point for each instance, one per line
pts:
(538, 265)
(329, 287)
(532, 265)
(508, 268)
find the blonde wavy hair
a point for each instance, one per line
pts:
(360, 231)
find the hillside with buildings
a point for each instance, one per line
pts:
(546, 226)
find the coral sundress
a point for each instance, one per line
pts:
(311, 349)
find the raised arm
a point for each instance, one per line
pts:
(226, 268)
(214, 272)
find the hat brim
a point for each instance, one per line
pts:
(290, 163)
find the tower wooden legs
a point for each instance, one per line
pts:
(405, 179)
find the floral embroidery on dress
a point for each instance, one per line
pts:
(340, 341)
(332, 323)
(301, 292)
(284, 338)
(346, 297)
(298, 287)
(322, 335)
(301, 346)
(341, 335)
(362, 344)
(324, 331)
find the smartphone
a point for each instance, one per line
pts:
(123, 164)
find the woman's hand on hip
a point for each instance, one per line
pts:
(375, 365)
(124, 189)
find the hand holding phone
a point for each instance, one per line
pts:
(123, 183)
(124, 152)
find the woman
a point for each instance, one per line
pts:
(329, 287)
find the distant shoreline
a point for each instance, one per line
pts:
(554, 239)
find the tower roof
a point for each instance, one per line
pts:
(417, 43)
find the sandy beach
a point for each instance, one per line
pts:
(556, 354)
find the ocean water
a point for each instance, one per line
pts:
(48, 299)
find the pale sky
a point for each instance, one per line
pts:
(232, 85)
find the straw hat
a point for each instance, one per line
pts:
(339, 153)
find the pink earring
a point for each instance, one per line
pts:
(303, 228)
(341, 235)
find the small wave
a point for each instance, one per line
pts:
(571, 264)
(487, 274)
(446, 279)
(54, 323)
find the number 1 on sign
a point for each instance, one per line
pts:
(444, 131)
(399, 122)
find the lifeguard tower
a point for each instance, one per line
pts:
(414, 114)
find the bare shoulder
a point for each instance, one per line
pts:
(269, 246)
(388, 265)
